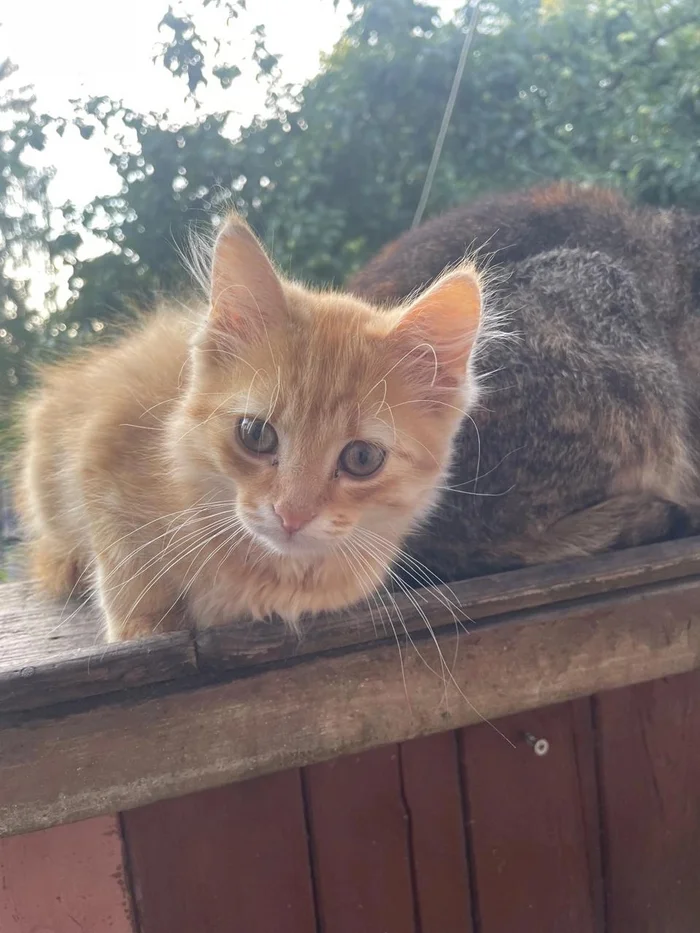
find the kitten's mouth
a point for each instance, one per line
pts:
(296, 545)
(278, 541)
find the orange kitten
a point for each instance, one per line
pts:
(230, 468)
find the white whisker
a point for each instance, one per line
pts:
(445, 668)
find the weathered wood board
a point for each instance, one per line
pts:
(649, 738)
(66, 880)
(88, 729)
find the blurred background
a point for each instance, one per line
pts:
(123, 123)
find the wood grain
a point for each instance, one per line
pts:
(89, 672)
(53, 654)
(360, 844)
(235, 858)
(101, 755)
(650, 776)
(529, 821)
(433, 801)
(65, 880)
(482, 599)
(34, 629)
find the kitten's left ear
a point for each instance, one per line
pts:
(246, 294)
(437, 331)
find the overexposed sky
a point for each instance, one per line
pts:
(68, 49)
(78, 48)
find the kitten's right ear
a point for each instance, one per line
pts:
(246, 295)
(435, 334)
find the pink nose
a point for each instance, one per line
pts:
(293, 520)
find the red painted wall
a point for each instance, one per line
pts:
(65, 880)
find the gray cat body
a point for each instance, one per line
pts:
(584, 435)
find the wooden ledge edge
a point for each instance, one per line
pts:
(125, 754)
(102, 670)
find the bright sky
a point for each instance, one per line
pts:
(80, 48)
(77, 48)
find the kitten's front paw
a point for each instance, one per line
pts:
(145, 625)
(57, 571)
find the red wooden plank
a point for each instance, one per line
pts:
(650, 769)
(532, 822)
(234, 859)
(360, 847)
(65, 880)
(433, 798)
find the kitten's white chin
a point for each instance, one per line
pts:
(309, 543)
(297, 546)
(300, 545)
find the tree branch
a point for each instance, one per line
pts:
(651, 48)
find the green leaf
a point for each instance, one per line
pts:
(226, 74)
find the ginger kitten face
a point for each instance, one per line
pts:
(321, 420)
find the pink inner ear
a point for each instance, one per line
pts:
(440, 327)
(246, 294)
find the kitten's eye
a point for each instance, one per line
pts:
(257, 436)
(360, 458)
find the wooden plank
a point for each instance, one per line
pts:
(53, 652)
(88, 673)
(650, 775)
(235, 858)
(65, 880)
(34, 629)
(482, 598)
(99, 756)
(57, 652)
(433, 800)
(530, 820)
(585, 744)
(359, 844)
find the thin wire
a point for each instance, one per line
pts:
(447, 116)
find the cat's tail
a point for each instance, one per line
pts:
(620, 522)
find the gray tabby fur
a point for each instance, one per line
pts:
(585, 435)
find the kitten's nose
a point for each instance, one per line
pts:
(293, 520)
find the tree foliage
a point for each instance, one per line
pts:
(596, 90)
(24, 216)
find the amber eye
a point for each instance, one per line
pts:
(257, 436)
(360, 458)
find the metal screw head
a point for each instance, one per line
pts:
(539, 746)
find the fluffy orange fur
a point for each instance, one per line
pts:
(137, 482)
